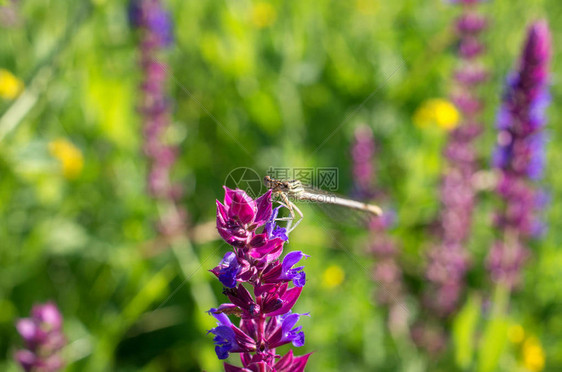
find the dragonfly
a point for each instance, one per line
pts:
(294, 189)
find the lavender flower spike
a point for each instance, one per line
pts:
(519, 156)
(43, 338)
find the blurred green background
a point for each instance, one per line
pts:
(289, 81)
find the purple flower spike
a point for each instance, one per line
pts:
(153, 25)
(520, 156)
(382, 246)
(448, 260)
(257, 285)
(43, 338)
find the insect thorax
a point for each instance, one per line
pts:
(294, 187)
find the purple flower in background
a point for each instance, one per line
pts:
(471, 76)
(520, 156)
(447, 259)
(433, 338)
(43, 338)
(154, 27)
(504, 263)
(471, 23)
(362, 153)
(150, 14)
(520, 147)
(386, 271)
(266, 321)
(467, 103)
(470, 47)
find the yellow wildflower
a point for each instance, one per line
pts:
(533, 355)
(69, 156)
(437, 111)
(10, 86)
(446, 115)
(516, 333)
(333, 276)
(263, 14)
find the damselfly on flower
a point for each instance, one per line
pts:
(288, 190)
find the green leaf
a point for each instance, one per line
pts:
(464, 327)
(495, 335)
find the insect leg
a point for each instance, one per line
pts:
(289, 205)
(289, 229)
